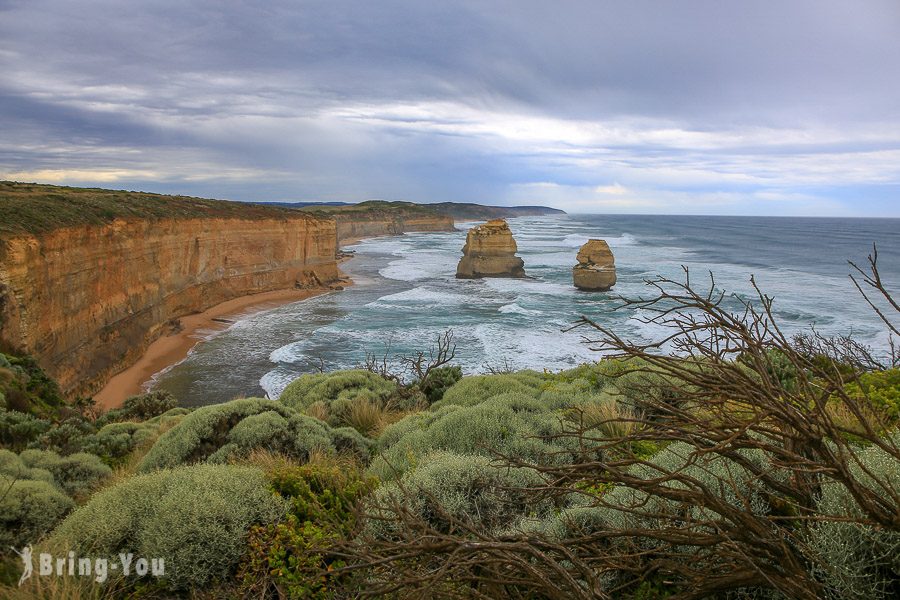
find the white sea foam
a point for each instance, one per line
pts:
(419, 298)
(407, 294)
(516, 309)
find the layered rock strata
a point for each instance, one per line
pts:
(490, 252)
(353, 227)
(596, 268)
(87, 300)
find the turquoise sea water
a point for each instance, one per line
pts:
(406, 294)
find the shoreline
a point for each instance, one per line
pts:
(171, 349)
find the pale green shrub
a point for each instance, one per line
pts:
(141, 407)
(451, 487)
(510, 424)
(475, 389)
(18, 430)
(28, 510)
(336, 386)
(76, 474)
(722, 477)
(196, 518)
(854, 560)
(356, 398)
(412, 422)
(224, 431)
(116, 440)
(11, 465)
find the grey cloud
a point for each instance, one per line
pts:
(237, 84)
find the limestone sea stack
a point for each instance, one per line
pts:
(596, 268)
(490, 251)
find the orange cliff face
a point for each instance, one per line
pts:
(86, 301)
(351, 228)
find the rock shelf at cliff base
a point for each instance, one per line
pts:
(596, 268)
(490, 251)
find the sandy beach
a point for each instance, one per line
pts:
(170, 349)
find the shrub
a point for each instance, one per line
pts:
(196, 518)
(18, 429)
(475, 389)
(881, 388)
(851, 559)
(513, 425)
(330, 387)
(77, 474)
(440, 380)
(220, 432)
(11, 466)
(28, 510)
(337, 395)
(448, 489)
(141, 407)
(26, 387)
(66, 438)
(291, 556)
(117, 440)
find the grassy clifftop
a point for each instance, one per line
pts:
(373, 208)
(38, 208)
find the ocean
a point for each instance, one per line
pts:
(405, 295)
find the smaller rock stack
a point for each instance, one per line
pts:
(490, 251)
(596, 268)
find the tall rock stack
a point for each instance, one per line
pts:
(596, 268)
(490, 251)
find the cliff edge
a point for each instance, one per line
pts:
(89, 278)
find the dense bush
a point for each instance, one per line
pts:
(26, 388)
(28, 510)
(438, 381)
(140, 408)
(292, 555)
(333, 396)
(629, 507)
(196, 518)
(514, 425)
(448, 489)
(116, 440)
(77, 474)
(475, 389)
(223, 431)
(64, 438)
(18, 429)
(881, 388)
(854, 560)
(11, 466)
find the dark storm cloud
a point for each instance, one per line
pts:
(591, 105)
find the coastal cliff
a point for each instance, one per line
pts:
(355, 228)
(377, 218)
(87, 293)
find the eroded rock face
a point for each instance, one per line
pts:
(87, 300)
(596, 268)
(490, 251)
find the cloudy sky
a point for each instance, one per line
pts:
(721, 107)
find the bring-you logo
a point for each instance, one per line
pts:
(80, 566)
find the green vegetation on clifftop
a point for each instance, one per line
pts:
(37, 208)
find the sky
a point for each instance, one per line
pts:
(779, 107)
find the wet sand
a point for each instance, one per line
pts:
(171, 349)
